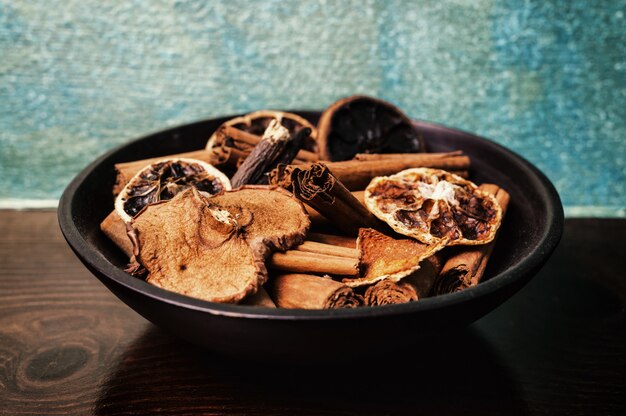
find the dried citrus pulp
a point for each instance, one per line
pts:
(164, 179)
(433, 205)
(360, 124)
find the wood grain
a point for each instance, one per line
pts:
(69, 347)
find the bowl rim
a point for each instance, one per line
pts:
(95, 260)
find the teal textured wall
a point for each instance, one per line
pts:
(545, 78)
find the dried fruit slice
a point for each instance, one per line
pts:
(433, 205)
(163, 179)
(214, 248)
(414, 287)
(270, 216)
(384, 258)
(193, 249)
(361, 124)
(256, 123)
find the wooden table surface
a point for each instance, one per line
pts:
(69, 347)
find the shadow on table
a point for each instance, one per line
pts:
(458, 374)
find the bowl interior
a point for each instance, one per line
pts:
(530, 231)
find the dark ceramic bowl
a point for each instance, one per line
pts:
(529, 234)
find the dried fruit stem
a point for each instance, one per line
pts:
(467, 266)
(305, 291)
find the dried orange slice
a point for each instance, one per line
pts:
(433, 205)
(257, 122)
(361, 124)
(162, 180)
(385, 258)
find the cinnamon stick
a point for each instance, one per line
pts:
(318, 220)
(317, 187)
(228, 158)
(328, 249)
(467, 267)
(357, 174)
(306, 262)
(335, 240)
(305, 291)
(387, 292)
(411, 288)
(417, 157)
(244, 142)
(126, 170)
(115, 228)
(260, 298)
(239, 135)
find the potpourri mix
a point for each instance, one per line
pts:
(278, 212)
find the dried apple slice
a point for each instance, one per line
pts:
(214, 248)
(434, 206)
(361, 124)
(163, 179)
(193, 249)
(270, 216)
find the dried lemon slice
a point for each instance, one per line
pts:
(433, 205)
(162, 180)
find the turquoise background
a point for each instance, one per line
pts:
(544, 78)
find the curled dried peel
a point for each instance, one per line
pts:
(164, 179)
(433, 205)
(385, 258)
